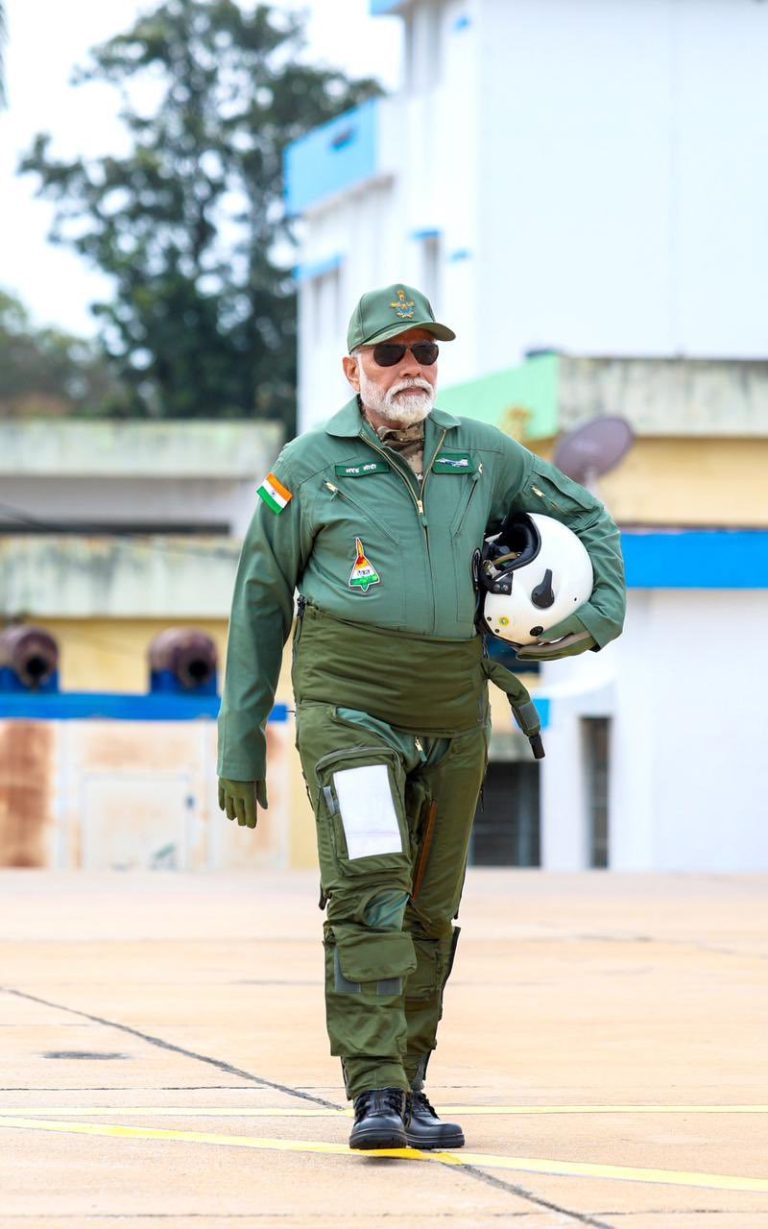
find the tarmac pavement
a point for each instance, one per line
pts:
(165, 1059)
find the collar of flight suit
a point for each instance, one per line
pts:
(347, 423)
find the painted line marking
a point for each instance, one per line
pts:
(620, 1173)
(197, 1111)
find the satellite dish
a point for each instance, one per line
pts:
(594, 448)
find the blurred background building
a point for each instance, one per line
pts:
(574, 183)
(577, 185)
(110, 535)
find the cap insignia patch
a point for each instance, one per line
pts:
(404, 307)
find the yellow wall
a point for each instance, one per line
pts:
(111, 654)
(688, 482)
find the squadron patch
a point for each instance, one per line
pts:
(275, 495)
(363, 573)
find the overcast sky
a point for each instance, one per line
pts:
(46, 39)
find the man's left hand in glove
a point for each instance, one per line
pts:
(567, 638)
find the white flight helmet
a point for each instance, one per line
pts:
(531, 574)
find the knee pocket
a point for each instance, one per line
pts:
(368, 962)
(434, 960)
(423, 982)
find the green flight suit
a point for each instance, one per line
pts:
(391, 692)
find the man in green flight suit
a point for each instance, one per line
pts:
(374, 518)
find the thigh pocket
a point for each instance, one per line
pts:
(361, 801)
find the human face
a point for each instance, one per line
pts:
(394, 396)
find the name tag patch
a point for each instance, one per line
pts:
(454, 463)
(362, 470)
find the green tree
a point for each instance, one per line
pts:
(47, 371)
(189, 223)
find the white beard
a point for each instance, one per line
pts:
(401, 411)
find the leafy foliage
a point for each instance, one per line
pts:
(190, 222)
(46, 371)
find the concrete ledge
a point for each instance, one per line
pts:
(81, 447)
(158, 576)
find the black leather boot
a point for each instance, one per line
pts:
(423, 1128)
(379, 1119)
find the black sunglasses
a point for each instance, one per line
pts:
(389, 353)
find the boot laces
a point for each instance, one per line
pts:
(422, 1102)
(378, 1100)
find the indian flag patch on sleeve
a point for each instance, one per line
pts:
(275, 495)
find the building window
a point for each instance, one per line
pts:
(325, 295)
(430, 267)
(596, 743)
(423, 46)
(506, 830)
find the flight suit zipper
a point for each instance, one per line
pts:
(419, 502)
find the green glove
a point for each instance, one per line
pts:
(239, 798)
(570, 638)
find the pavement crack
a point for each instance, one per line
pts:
(512, 1188)
(228, 1068)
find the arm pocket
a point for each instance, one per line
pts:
(555, 495)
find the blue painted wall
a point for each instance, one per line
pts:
(332, 158)
(87, 706)
(696, 559)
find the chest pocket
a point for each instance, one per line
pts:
(466, 499)
(357, 507)
(356, 568)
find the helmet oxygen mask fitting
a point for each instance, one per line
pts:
(531, 575)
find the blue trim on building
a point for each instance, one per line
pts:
(333, 158)
(542, 707)
(460, 254)
(167, 682)
(429, 233)
(95, 706)
(306, 273)
(379, 7)
(10, 681)
(697, 559)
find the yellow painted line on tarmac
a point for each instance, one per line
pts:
(601, 1109)
(575, 1169)
(261, 1111)
(231, 1141)
(171, 1111)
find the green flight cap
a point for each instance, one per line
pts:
(382, 314)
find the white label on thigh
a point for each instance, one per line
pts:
(367, 811)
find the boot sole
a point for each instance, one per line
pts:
(445, 1144)
(371, 1140)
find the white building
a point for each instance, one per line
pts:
(583, 175)
(583, 178)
